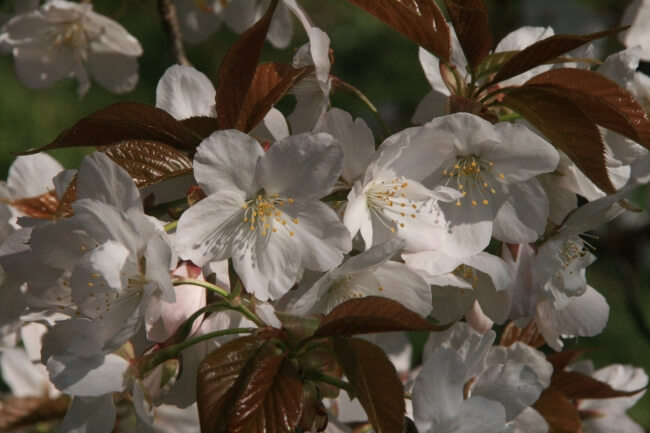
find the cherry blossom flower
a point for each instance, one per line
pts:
(637, 15)
(65, 39)
(263, 210)
(370, 273)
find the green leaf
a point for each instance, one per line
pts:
(419, 20)
(372, 314)
(601, 99)
(544, 51)
(470, 19)
(375, 382)
(122, 122)
(567, 126)
(238, 69)
(297, 328)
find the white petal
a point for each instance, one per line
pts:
(322, 236)
(206, 231)
(521, 154)
(24, 378)
(89, 415)
(405, 286)
(514, 385)
(480, 415)
(88, 377)
(530, 421)
(522, 218)
(303, 166)
(355, 138)
(620, 377)
(637, 14)
(115, 72)
(39, 69)
(31, 175)
(437, 392)
(99, 178)
(432, 105)
(357, 215)
(196, 24)
(226, 160)
(272, 128)
(185, 92)
(616, 423)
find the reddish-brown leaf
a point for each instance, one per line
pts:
(238, 69)
(545, 50)
(201, 126)
(560, 414)
(470, 19)
(375, 383)
(529, 335)
(148, 162)
(269, 400)
(270, 83)
(371, 314)
(601, 98)
(493, 62)
(120, 122)
(419, 20)
(575, 385)
(462, 104)
(567, 126)
(42, 206)
(64, 209)
(217, 375)
(17, 413)
(561, 360)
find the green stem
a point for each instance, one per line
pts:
(234, 304)
(218, 290)
(509, 117)
(356, 92)
(171, 226)
(151, 361)
(334, 381)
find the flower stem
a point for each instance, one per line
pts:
(171, 226)
(331, 380)
(234, 303)
(337, 82)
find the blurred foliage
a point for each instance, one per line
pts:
(368, 55)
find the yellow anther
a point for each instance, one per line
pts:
(290, 200)
(392, 229)
(485, 184)
(245, 219)
(402, 204)
(492, 191)
(460, 186)
(259, 197)
(485, 202)
(457, 203)
(275, 195)
(291, 233)
(464, 193)
(501, 176)
(252, 228)
(245, 205)
(263, 232)
(412, 215)
(83, 248)
(95, 275)
(274, 230)
(76, 313)
(295, 220)
(380, 288)
(473, 202)
(414, 206)
(401, 225)
(90, 284)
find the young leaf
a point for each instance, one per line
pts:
(470, 19)
(120, 122)
(148, 162)
(269, 399)
(560, 360)
(560, 414)
(201, 126)
(297, 328)
(217, 375)
(238, 69)
(601, 99)
(419, 20)
(375, 382)
(270, 83)
(575, 385)
(42, 206)
(545, 50)
(567, 126)
(371, 314)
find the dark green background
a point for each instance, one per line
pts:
(385, 67)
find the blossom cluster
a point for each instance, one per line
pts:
(467, 220)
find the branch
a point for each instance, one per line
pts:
(169, 21)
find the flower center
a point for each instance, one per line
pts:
(264, 211)
(467, 273)
(341, 291)
(389, 201)
(71, 34)
(473, 175)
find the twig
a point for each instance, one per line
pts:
(169, 21)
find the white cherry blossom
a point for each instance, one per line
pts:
(66, 39)
(263, 211)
